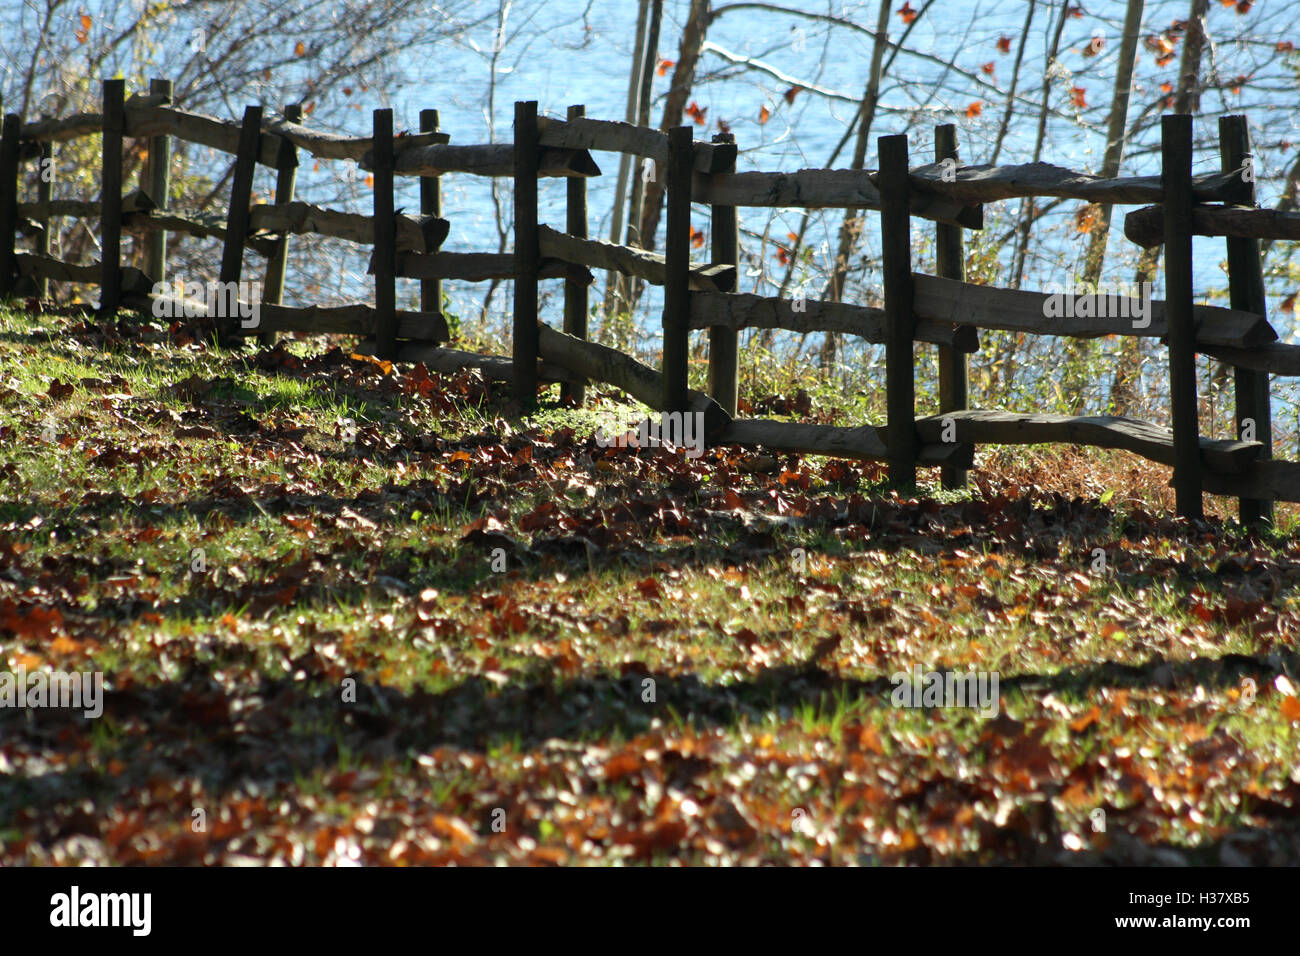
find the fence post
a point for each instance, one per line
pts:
(575, 290)
(896, 255)
(950, 263)
(241, 194)
(286, 182)
(385, 262)
(159, 184)
(677, 268)
(110, 201)
(9, 133)
(1246, 291)
(430, 205)
(525, 347)
(44, 189)
(1176, 179)
(724, 343)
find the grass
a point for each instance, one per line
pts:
(464, 635)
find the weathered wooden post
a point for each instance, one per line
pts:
(1246, 292)
(9, 134)
(950, 263)
(110, 201)
(237, 218)
(385, 259)
(158, 180)
(575, 290)
(1176, 180)
(286, 183)
(724, 343)
(524, 349)
(896, 255)
(677, 269)
(430, 205)
(44, 191)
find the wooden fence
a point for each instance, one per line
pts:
(942, 310)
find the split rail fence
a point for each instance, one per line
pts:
(941, 310)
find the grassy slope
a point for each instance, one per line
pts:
(503, 716)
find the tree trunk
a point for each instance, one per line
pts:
(852, 224)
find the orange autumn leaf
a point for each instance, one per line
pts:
(299, 48)
(696, 112)
(697, 237)
(988, 68)
(1290, 707)
(84, 32)
(907, 13)
(1166, 87)
(974, 109)
(1086, 721)
(1085, 218)
(1076, 12)
(764, 114)
(791, 93)
(1078, 98)
(1286, 46)
(1004, 44)
(370, 181)
(664, 66)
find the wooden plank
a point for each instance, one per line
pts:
(1176, 171)
(1266, 481)
(824, 189)
(222, 135)
(347, 320)
(980, 184)
(148, 117)
(988, 307)
(650, 266)
(1254, 410)
(56, 129)
(527, 159)
(1146, 226)
(617, 137)
(600, 363)
(495, 368)
(863, 442)
(422, 234)
(44, 267)
(896, 269)
(385, 230)
(493, 159)
(1276, 358)
(206, 225)
(333, 146)
(950, 263)
(677, 269)
(286, 183)
(724, 342)
(741, 310)
(430, 205)
(241, 194)
(110, 209)
(481, 267)
(981, 427)
(576, 304)
(9, 134)
(158, 176)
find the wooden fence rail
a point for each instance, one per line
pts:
(941, 310)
